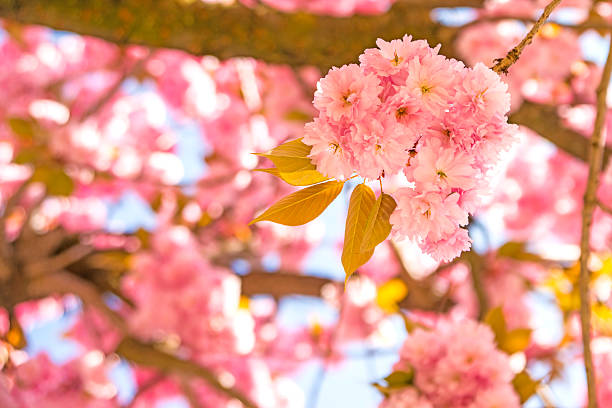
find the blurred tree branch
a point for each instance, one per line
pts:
(280, 284)
(148, 356)
(227, 31)
(235, 30)
(543, 119)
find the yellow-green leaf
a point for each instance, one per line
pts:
(518, 251)
(15, 336)
(22, 128)
(297, 178)
(273, 171)
(496, 320)
(378, 227)
(293, 164)
(302, 206)
(398, 379)
(55, 179)
(524, 385)
(360, 205)
(390, 293)
(292, 148)
(29, 155)
(290, 157)
(508, 341)
(303, 177)
(298, 116)
(515, 340)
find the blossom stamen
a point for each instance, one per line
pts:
(396, 59)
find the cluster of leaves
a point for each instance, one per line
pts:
(367, 221)
(48, 171)
(512, 341)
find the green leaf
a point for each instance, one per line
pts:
(515, 340)
(395, 380)
(58, 183)
(399, 378)
(302, 206)
(360, 205)
(496, 320)
(378, 227)
(298, 116)
(508, 341)
(28, 155)
(22, 128)
(517, 250)
(524, 385)
(15, 336)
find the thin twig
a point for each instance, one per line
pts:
(476, 269)
(315, 389)
(146, 386)
(110, 93)
(604, 207)
(6, 250)
(64, 282)
(598, 140)
(513, 55)
(60, 261)
(545, 394)
(189, 392)
(147, 355)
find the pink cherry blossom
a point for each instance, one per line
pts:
(457, 364)
(348, 93)
(428, 215)
(436, 167)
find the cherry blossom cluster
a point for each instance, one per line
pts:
(455, 365)
(38, 382)
(405, 108)
(176, 267)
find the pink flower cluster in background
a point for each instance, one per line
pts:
(455, 365)
(407, 109)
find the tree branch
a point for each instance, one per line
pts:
(6, 250)
(234, 30)
(543, 120)
(60, 261)
(281, 284)
(189, 393)
(230, 31)
(64, 282)
(148, 356)
(476, 269)
(513, 55)
(112, 91)
(598, 140)
(604, 207)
